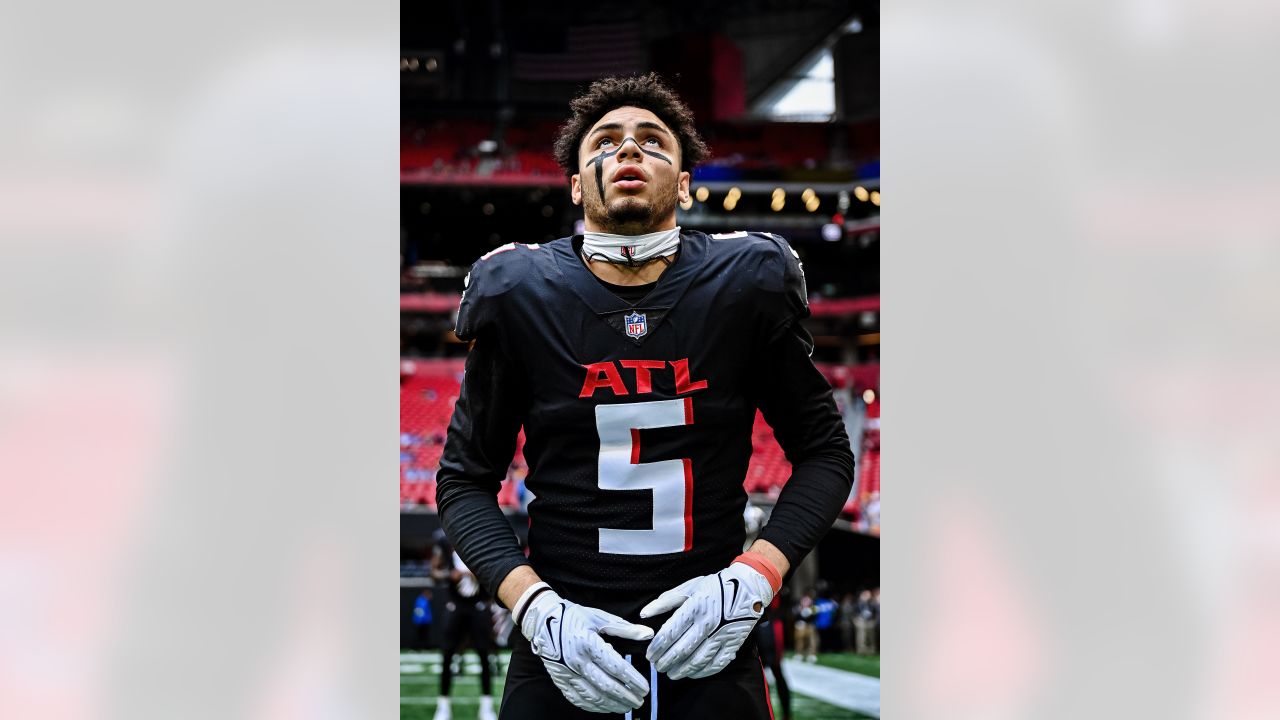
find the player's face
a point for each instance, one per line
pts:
(629, 178)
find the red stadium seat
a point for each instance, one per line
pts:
(427, 396)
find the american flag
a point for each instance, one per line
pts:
(591, 51)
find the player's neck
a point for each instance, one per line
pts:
(626, 275)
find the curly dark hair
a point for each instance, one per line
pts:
(642, 91)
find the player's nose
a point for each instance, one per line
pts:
(629, 149)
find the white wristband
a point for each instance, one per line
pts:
(517, 612)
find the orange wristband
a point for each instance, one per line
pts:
(760, 564)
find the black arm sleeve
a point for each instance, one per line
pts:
(797, 403)
(477, 453)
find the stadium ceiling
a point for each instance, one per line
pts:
(776, 36)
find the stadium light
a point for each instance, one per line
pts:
(868, 396)
(860, 193)
(875, 198)
(702, 193)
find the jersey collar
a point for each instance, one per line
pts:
(671, 286)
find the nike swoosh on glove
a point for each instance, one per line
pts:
(715, 615)
(590, 673)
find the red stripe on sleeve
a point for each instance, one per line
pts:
(635, 446)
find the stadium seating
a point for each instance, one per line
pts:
(769, 468)
(450, 146)
(427, 396)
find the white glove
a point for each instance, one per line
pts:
(716, 614)
(590, 673)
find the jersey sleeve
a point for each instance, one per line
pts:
(490, 279)
(481, 440)
(784, 282)
(798, 404)
(475, 311)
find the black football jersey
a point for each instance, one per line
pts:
(637, 416)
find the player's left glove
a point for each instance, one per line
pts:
(716, 614)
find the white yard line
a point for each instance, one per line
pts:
(434, 657)
(457, 680)
(424, 700)
(850, 691)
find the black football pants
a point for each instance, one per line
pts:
(467, 622)
(736, 693)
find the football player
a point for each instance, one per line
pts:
(468, 620)
(635, 357)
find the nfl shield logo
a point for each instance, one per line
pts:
(636, 325)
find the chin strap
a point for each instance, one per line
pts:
(630, 249)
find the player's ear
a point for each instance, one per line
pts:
(682, 187)
(575, 188)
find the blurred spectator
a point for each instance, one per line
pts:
(848, 611)
(806, 634)
(825, 624)
(869, 518)
(502, 623)
(422, 620)
(468, 622)
(867, 624)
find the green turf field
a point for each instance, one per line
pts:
(420, 684)
(861, 664)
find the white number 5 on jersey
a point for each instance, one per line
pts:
(670, 480)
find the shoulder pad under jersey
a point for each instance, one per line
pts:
(780, 270)
(491, 277)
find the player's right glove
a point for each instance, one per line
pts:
(590, 673)
(714, 615)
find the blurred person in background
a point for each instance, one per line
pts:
(848, 612)
(468, 619)
(825, 624)
(867, 623)
(871, 513)
(502, 625)
(422, 620)
(806, 633)
(875, 604)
